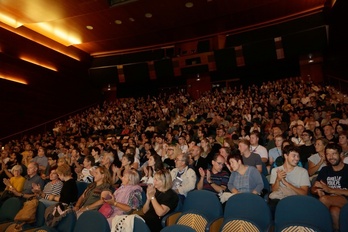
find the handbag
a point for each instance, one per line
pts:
(106, 210)
(28, 212)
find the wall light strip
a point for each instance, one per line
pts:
(14, 79)
(38, 63)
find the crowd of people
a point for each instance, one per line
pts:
(291, 131)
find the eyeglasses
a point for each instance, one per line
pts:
(305, 134)
(179, 159)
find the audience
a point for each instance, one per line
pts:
(178, 127)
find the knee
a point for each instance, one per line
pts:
(325, 200)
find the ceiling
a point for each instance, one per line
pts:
(142, 24)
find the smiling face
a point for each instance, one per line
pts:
(333, 157)
(292, 158)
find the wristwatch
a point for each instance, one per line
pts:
(152, 198)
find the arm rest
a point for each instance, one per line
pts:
(214, 225)
(170, 219)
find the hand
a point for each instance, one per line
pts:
(150, 192)
(201, 172)
(6, 182)
(324, 187)
(108, 197)
(281, 174)
(36, 188)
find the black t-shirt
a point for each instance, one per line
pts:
(68, 193)
(306, 152)
(333, 179)
(168, 198)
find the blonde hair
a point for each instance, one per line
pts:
(17, 167)
(165, 177)
(64, 170)
(133, 176)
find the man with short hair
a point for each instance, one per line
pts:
(331, 184)
(197, 161)
(41, 159)
(215, 179)
(289, 179)
(307, 149)
(329, 133)
(256, 148)
(184, 178)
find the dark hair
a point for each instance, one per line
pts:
(309, 132)
(158, 162)
(334, 146)
(289, 148)
(53, 156)
(129, 157)
(91, 159)
(235, 154)
(96, 149)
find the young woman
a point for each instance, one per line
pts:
(243, 178)
(318, 160)
(154, 164)
(161, 199)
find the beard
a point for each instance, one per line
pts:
(335, 163)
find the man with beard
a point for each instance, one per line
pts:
(332, 182)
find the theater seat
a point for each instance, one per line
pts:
(92, 221)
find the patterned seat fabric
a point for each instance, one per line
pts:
(239, 226)
(195, 221)
(298, 229)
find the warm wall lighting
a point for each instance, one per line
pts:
(14, 79)
(38, 63)
(55, 33)
(9, 21)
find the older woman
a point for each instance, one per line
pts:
(161, 199)
(91, 197)
(127, 197)
(243, 178)
(15, 182)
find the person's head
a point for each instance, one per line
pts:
(17, 170)
(196, 152)
(53, 175)
(130, 177)
(307, 136)
(63, 171)
(32, 169)
(343, 138)
(329, 131)
(291, 154)
(181, 140)
(205, 143)
(108, 159)
(155, 162)
(52, 159)
(182, 161)
(244, 145)
(127, 159)
(318, 131)
(88, 161)
(162, 180)
(320, 144)
(333, 153)
(41, 151)
(300, 128)
(61, 161)
(102, 175)
(75, 152)
(225, 151)
(278, 140)
(130, 150)
(218, 162)
(286, 142)
(235, 160)
(254, 138)
(276, 131)
(95, 151)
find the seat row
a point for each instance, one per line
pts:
(202, 212)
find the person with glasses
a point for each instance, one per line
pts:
(307, 149)
(243, 178)
(161, 199)
(184, 178)
(216, 178)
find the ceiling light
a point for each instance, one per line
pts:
(9, 21)
(189, 4)
(39, 63)
(89, 27)
(148, 15)
(131, 19)
(118, 22)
